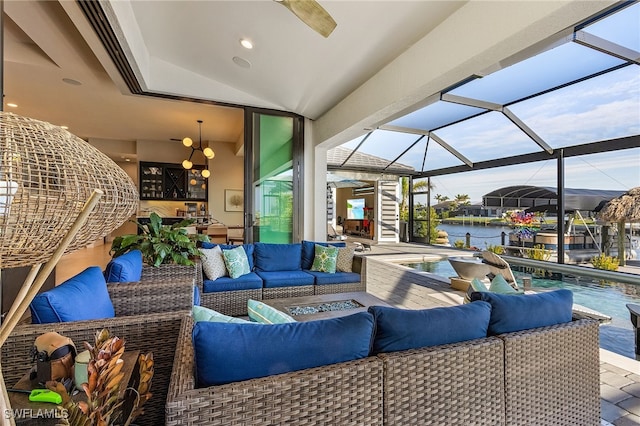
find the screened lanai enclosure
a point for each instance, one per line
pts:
(555, 113)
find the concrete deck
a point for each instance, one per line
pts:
(403, 287)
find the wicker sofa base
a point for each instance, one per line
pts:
(157, 333)
(339, 288)
(282, 292)
(543, 376)
(233, 303)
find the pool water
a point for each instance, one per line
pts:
(605, 297)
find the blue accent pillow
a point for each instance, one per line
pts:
(251, 351)
(124, 269)
(248, 249)
(514, 313)
(278, 257)
(309, 252)
(401, 329)
(83, 297)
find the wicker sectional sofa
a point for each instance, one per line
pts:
(277, 271)
(541, 376)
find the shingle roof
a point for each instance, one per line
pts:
(365, 162)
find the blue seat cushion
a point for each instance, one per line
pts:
(248, 281)
(124, 269)
(401, 329)
(278, 257)
(323, 278)
(196, 296)
(252, 351)
(82, 297)
(285, 278)
(309, 252)
(511, 313)
(248, 249)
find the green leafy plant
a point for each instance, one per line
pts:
(494, 248)
(608, 263)
(538, 252)
(160, 243)
(458, 244)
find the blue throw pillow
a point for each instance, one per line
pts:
(83, 297)
(226, 353)
(278, 257)
(514, 313)
(401, 329)
(124, 269)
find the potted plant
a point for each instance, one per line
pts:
(106, 403)
(161, 244)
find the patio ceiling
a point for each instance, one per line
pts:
(578, 93)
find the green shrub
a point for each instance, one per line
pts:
(494, 249)
(538, 252)
(607, 263)
(458, 244)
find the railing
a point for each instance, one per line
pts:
(622, 277)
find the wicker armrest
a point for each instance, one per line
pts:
(151, 296)
(157, 333)
(169, 272)
(556, 366)
(348, 393)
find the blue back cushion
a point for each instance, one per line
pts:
(248, 249)
(278, 257)
(401, 329)
(251, 351)
(124, 269)
(83, 297)
(309, 252)
(521, 312)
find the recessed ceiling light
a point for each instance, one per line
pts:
(71, 81)
(241, 62)
(12, 105)
(246, 43)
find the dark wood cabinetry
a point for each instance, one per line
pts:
(166, 181)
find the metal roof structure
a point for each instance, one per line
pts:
(509, 114)
(537, 198)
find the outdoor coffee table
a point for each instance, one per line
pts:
(353, 302)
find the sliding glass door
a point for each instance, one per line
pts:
(273, 176)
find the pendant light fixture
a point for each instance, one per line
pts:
(206, 152)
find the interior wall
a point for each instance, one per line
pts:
(227, 172)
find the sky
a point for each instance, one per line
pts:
(597, 109)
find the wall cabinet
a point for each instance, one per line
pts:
(166, 181)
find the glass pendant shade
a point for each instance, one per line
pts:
(187, 164)
(208, 152)
(187, 142)
(206, 173)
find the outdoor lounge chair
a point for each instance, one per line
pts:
(498, 265)
(333, 235)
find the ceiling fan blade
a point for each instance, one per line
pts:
(311, 13)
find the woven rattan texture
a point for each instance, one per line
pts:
(56, 173)
(348, 393)
(339, 288)
(445, 385)
(151, 296)
(283, 292)
(552, 375)
(155, 333)
(232, 303)
(170, 271)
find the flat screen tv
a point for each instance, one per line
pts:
(355, 208)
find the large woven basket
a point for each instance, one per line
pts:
(46, 176)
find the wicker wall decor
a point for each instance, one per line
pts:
(53, 173)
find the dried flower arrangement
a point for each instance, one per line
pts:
(104, 406)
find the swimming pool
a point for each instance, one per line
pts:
(606, 297)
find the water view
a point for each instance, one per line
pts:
(481, 235)
(607, 298)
